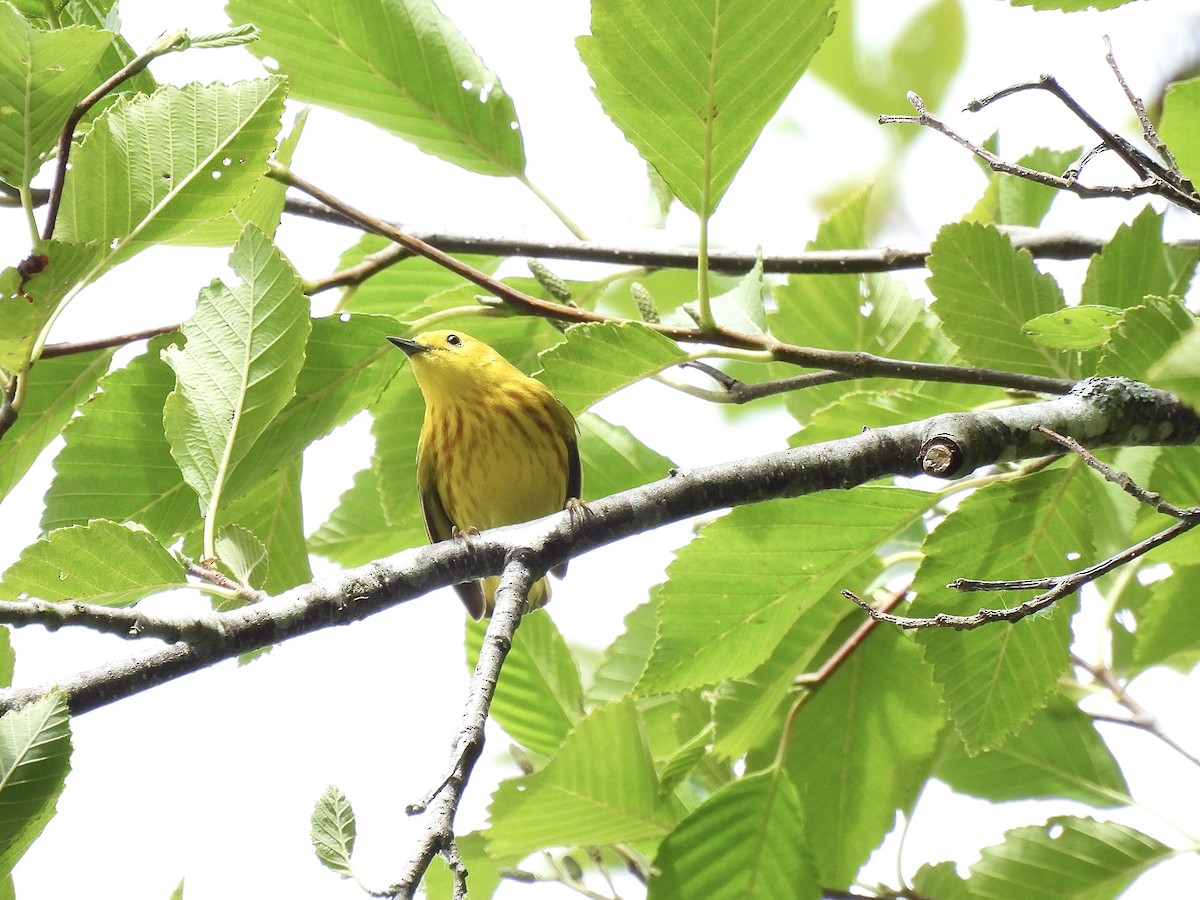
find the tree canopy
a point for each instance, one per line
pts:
(979, 534)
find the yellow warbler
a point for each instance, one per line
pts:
(496, 448)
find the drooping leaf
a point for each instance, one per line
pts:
(243, 554)
(35, 756)
(245, 346)
(356, 532)
(273, 511)
(27, 304)
(1011, 200)
(1074, 328)
(539, 698)
(600, 788)
(692, 86)
(398, 64)
(101, 562)
(613, 459)
(154, 166)
(746, 841)
(347, 364)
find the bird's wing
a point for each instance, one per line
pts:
(439, 528)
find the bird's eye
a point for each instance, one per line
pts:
(453, 340)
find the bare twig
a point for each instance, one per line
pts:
(117, 340)
(1055, 587)
(1149, 133)
(1155, 179)
(852, 643)
(1140, 716)
(441, 803)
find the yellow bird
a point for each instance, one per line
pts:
(496, 448)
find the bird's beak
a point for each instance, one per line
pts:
(410, 347)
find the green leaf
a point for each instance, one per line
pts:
(613, 459)
(1066, 857)
(995, 677)
(692, 86)
(861, 749)
(262, 208)
(101, 562)
(102, 14)
(600, 788)
(985, 293)
(28, 304)
(1071, 5)
(56, 387)
(116, 463)
(394, 291)
(154, 166)
(941, 881)
(872, 314)
(1167, 631)
(1179, 368)
(750, 711)
(1144, 336)
(1074, 328)
(732, 595)
(1058, 754)
(243, 554)
(273, 511)
(398, 64)
(741, 308)
(333, 831)
(42, 76)
(746, 841)
(356, 532)
(35, 756)
(1136, 264)
(245, 347)
(624, 660)
(539, 698)
(1011, 200)
(347, 364)
(599, 359)
(1180, 126)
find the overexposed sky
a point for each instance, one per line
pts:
(213, 777)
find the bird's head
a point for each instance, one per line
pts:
(448, 363)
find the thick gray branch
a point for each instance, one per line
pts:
(1099, 413)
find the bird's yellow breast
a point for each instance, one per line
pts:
(498, 461)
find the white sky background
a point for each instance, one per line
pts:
(213, 777)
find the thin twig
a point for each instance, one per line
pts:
(441, 803)
(1141, 717)
(1156, 179)
(1149, 133)
(852, 643)
(852, 363)
(1120, 479)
